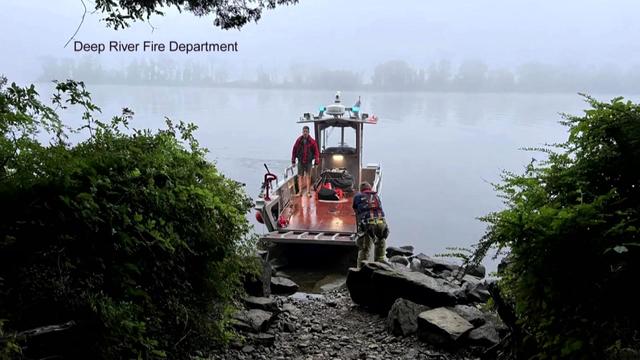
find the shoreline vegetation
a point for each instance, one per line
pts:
(395, 75)
(131, 235)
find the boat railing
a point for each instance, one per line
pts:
(291, 168)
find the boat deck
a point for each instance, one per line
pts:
(310, 214)
(312, 221)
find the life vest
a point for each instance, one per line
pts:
(369, 206)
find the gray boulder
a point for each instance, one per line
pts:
(472, 280)
(393, 251)
(403, 317)
(283, 286)
(470, 313)
(291, 309)
(331, 283)
(263, 339)
(399, 259)
(478, 292)
(442, 327)
(436, 264)
(483, 336)
(476, 270)
(415, 265)
(262, 303)
(253, 320)
(399, 267)
(378, 285)
(494, 320)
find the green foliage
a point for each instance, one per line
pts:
(228, 14)
(464, 254)
(572, 224)
(8, 345)
(130, 233)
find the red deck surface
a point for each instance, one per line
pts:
(307, 213)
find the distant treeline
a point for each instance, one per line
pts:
(396, 75)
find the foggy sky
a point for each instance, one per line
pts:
(355, 34)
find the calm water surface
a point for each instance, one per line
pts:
(439, 152)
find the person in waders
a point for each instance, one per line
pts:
(372, 227)
(305, 150)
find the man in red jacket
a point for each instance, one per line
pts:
(305, 150)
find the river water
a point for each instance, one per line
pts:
(439, 152)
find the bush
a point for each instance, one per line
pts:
(572, 224)
(130, 233)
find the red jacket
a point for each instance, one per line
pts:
(305, 152)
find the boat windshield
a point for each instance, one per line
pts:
(338, 137)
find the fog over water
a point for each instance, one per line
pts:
(459, 87)
(439, 152)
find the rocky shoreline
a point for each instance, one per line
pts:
(413, 307)
(330, 326)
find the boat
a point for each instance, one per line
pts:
(292, 219)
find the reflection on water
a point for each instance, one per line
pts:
(439, 152)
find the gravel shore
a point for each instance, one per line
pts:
(330, 326)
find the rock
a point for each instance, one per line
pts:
(436, 264)
(416, 265)
(377, 286)
(306, 297)
(442, 327)
(403, 317)
(399, 259)
(291, 309)
(263, 339)
(407, 247)
(283, 286)
(484, 336)
(332, 282)
(259, 284)
(476, 270)
(248, 349)
(289, 326)
(241, 325)
(262, 303)
(393, 251)
(257, 320)
(494, 320)
(478, 292)
(470, 313)
(398, 266)
(316, 328)
(472, 280)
